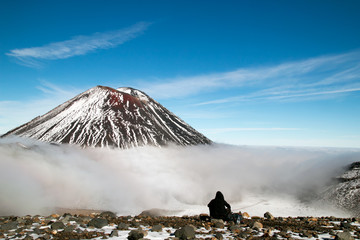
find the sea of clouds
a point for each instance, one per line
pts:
(37, 178)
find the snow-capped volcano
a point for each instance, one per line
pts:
(103, 116)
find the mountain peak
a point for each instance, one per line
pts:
(103, 116)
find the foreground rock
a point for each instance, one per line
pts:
(107, 225)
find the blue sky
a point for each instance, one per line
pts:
(284, 73)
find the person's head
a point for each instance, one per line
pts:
(219, 195)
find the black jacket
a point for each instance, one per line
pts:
(218, 207)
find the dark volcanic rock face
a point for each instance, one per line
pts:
(346, 192)
(104, 116)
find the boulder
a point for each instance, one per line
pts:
(69, 228)
(57, 225)
(186, 232)
(343, 236)
(123, 226)
(98, 222)
(136, 234)
(218, 223)
(156, 228)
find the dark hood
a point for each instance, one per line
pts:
(219, 196)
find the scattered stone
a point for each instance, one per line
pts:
(156, 228)
(98, 223)
(9, 226)
(114, 233)
(269, 216)
(218, 223)
(123, 226)
(345, 225)
(38, 231)
(70, 228)
(257, 225)
(137, 234)
(235, 229)
(28, 237)
(63, 228)
(186, 232)
(108, 214)
(306, 234)
(57, 225)
(343, 236)
(219, 236)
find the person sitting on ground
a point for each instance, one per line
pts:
(219, 208)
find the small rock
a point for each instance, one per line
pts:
(235, 229)
(108, 214)
(28, 237)
(9, 226)
(135, 224)
(243, 235)
(46, 236)
(38, 231)
(137, 234)
(345, 225)
(98, 222)
(245, 215)
(257, 225)
(83, 219)
(187, 232)
(114, 233)
(269, 216)
(55, 215)
(218, 223)
(306, 234)
(219, 236)
(123, 226)
(156, 228)
(57, 225)
(344, 236)
(267, 233)
(70, 228)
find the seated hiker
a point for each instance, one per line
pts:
(219, 208)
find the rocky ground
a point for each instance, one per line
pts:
(107, 225)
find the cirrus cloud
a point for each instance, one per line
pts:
(78, 45)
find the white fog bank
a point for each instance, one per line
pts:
(37, 178)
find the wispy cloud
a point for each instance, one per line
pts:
(78, 45)
(323, 76)
(224, 130)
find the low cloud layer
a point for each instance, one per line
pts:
(39, 177)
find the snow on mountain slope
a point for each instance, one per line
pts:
(346, 192)
(103, 116)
